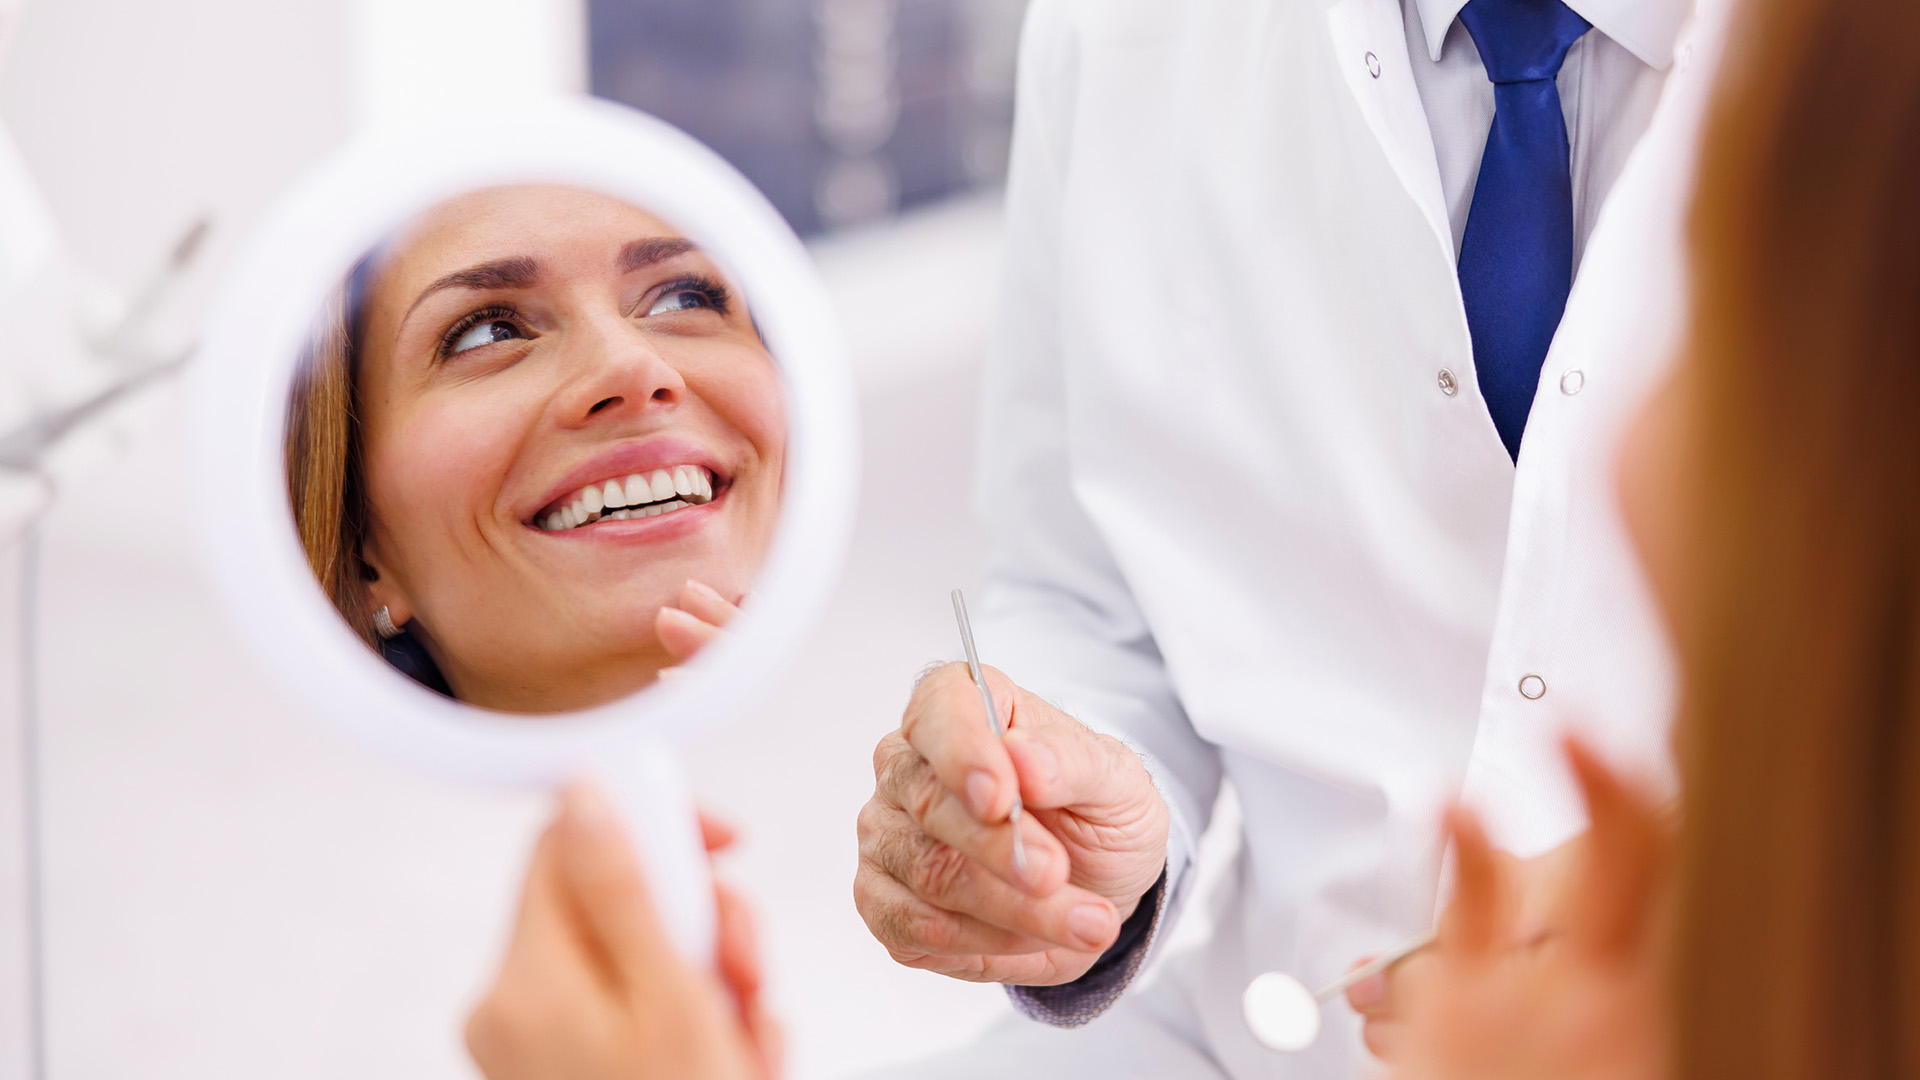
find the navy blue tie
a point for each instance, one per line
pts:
(1516, 260)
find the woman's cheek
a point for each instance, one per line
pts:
(449, 459)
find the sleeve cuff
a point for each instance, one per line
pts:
(1080, 1001)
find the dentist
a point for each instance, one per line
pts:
(1320, 323)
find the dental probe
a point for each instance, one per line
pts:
(993, 717)
(1284, 1015)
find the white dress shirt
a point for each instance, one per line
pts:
(1609, 86)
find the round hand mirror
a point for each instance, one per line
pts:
(526, 448)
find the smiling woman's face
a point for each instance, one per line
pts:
(565, 414)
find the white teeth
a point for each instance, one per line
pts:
(662, 485)
(637, 496)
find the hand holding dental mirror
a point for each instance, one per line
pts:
(1284, 1015)
(549, 408)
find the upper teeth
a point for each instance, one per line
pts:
(639, 495)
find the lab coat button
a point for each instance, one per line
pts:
(1448, 384)
(1533, 687)
(1572, 382)
(1373, 65)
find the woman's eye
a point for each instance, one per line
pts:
(485, 333)
(680, 300)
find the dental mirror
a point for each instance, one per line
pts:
(533, 448)
(1284, 1015)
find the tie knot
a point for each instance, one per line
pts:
(1522, 40)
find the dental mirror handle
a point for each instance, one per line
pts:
(650, 788)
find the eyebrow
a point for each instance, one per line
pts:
(640, 254)
(513, 272)
(523, 271)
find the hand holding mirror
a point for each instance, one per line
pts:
(501, 429)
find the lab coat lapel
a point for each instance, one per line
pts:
(1370, 48)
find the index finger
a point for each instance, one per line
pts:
(947, 725)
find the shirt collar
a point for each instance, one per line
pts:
(1645, 28)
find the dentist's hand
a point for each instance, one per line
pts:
(936, 882)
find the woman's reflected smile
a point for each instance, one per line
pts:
(564, 415)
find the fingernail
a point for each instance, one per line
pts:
(1035, 872)
(1088, 922)
(706, 590)
(980, 788)
(1368, 993)
(668, 674)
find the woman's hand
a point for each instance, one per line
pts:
(1535, 890)
(1583, 997)
(591, 988)
(695, 618)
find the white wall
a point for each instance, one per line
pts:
(232, 895)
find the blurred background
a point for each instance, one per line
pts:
(227, 893)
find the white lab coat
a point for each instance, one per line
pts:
(1234, 516)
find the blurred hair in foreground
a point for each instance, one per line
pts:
(1798, 942)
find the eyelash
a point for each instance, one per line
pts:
(491, 313)
(716, 293)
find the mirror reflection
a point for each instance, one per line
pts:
(535, 450)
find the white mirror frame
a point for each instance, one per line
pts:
(261, 323)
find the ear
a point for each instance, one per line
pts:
(1629, 847)
(383, 587)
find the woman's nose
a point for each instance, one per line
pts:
(618, 371)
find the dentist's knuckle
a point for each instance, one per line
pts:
(887, 750)
(906, 927)
(922, 793)
(939, 872)
(900, 775)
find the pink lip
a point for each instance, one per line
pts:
(624, 460)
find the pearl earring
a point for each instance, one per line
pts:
(383, 624)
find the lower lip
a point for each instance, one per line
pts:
(669, 526)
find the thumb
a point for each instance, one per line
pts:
(1063, 763)
(601, 877)
(1627, 851)
(1477, 913)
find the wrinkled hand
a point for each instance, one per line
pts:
(591, 988)
(1582, 1000)
(936, 882)
(697, 616)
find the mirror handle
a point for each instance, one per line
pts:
(650, 788)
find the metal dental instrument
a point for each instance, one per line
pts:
(1376, 965)
(993, 717)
